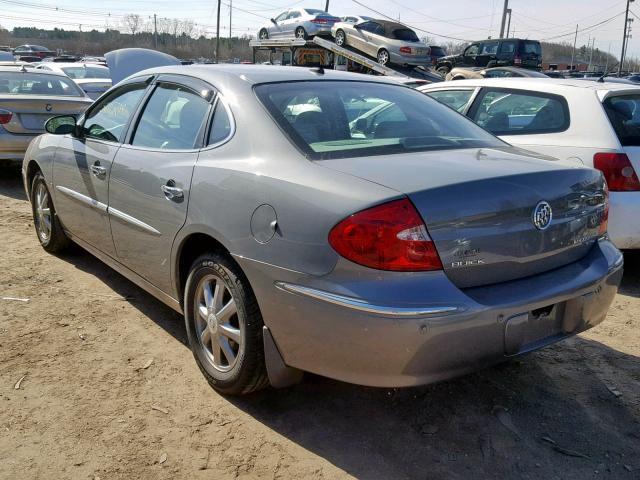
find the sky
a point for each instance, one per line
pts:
(465, 20)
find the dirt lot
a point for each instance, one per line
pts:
(88, 408)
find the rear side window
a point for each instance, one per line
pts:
(333, 119)
(624, 114)
(406, 35)
(507, 48)
(438, 51)
(221, 126)
(172, 119)
(456, 99)
(489, 48)
(529, 48)
(509, 112)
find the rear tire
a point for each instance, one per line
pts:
(301, 33)
(45, 220)
(263, 34)
(224, 326)
(341, 38)
(383, 57)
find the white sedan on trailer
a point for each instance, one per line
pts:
(593, 123)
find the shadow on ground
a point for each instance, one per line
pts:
(11, 181)
(551, 414)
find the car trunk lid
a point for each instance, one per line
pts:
(30, 114)
(479, 204)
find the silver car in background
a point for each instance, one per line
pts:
(28, 98)
(367, 233)
(388, 42)
(300, 23)
(93, 79)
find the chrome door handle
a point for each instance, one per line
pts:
(172, 192)
(98, 171)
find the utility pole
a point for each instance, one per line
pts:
(593, 44)
(155, 30)
(218, 34)
(573, 52)
(230, 12)
(624, 37)
(509, 23)
(504, 17)
(326, 6)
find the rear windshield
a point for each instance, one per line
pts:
(94, 71)
(27, 83)
(624, 114)
(527, 48)
(406, 35)
(438, 51)
(333, 119)
(313, 11)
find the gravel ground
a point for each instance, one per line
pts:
(109, 390)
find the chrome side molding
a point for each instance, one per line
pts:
(82, 198)
(364, 306)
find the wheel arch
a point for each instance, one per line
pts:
(32, 168)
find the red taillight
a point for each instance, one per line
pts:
(517, 61)
(5, 116)
(320, 20)
(618, 171)
(604, 221)
(405, 49)
(391, 236)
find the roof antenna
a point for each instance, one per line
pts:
(606, 73)
(319, 69)
(23, 69)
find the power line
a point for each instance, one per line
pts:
(585, 28)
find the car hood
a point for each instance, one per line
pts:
(128, 61)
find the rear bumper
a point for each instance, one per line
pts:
(313, 29)
(624, 210)
(394, 329)
(400, 59)
(13, 147)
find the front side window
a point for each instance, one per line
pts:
(456, 99)
(624, 114)
(38, 83)
(471, 51)
(332, 119)
(281, 17)
(377, 29)
(172, 119)
(489, 48)
(107, 121)
(367, 26)
(505, 112)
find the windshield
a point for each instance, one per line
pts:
(21, 83)
(624, 114)
(332, 119)
(406, 35)
(86, 72)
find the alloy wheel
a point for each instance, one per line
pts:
(383, 57)
(43, 212)
(217, 325)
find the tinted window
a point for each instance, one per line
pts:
(624, 115)
(26, 83)
(93, 71)
(489, 48)
(313, 11)
(507, 48)
(221, 127)
(171, 119)
(456, 99)
(505, 112)
(329, 119)
(108, 120)
(377, 29)
(471, 51)
(438, 51)
(528, 48)
(406, 35)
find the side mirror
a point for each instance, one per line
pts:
(61, 125)
(274, 22)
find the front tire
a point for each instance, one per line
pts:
(341, 39)
(443, 71)
(383, 56)
(263, 34)
(224, 326)
(45, 220)
(301, 33)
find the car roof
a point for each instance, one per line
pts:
(12, 68)
(549, 85)
(256, 74)
(71, 64)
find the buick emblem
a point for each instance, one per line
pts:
(542, 216)
(48, 107)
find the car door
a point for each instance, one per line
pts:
(277, 29)
(488, 52)
(83, 163)
(469, 55)
(291, 23)
(151, 176)
(374, 38)
(356, 35)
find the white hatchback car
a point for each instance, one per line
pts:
(596, 124)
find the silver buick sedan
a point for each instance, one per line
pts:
(321, 221)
